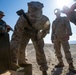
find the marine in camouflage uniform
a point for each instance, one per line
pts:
(70, 12)
(2, 23)
(23, 32)
(4, 44)
(4, 28)
(61, 31)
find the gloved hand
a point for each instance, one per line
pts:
(9, 28)
(40, 35)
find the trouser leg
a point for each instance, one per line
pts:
(68, 56)
(40, 56)
(14, 51)
(66, 48)
(57, 47)
(14, 54)
(22, 47)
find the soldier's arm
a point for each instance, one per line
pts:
(8, 28)
(68, 27)
(18, 29)
(53, 32)
(20, 24)
(46, 29)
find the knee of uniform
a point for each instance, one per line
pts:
(56, 48)
(66, 48)
(67, 51)
(57, 51)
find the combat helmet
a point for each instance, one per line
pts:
(35, 5)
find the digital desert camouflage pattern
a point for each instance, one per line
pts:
(60, 29)
(23, 33)
(14, 45)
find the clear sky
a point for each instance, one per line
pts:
(11, 6)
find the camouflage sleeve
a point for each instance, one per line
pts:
(20, 24)
(53, 31)
(46, 29)
(68, 27)
(19, 28)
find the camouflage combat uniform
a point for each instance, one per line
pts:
(23, 33)
(60, 29)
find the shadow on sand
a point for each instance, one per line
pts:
(57, 71)
(61, 71)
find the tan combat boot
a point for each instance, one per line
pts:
(24, 64)
(71, 68)
(60, 64)
(14, 66)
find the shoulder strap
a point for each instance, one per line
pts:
(28, 21)
(21, 12)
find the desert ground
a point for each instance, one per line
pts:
(51, 61)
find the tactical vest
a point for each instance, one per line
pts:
(3, 28)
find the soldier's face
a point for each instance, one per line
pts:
(34, 12)
(1, 16)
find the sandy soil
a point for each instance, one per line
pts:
(51, 61)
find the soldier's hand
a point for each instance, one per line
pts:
(39, 35)
(9, 28)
